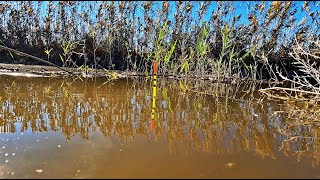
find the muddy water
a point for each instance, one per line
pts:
(71, 128)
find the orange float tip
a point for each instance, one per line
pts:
(155, 64)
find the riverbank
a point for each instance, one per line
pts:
(50, 71)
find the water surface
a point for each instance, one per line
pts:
(72, 128)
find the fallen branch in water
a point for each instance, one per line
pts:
(33, 57)
(267, 92)
(288, 89)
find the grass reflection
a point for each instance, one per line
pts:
(229, 121)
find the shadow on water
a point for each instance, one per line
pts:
(233, 126)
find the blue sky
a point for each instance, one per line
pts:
(239, 6)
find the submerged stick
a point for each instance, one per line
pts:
(36, 58)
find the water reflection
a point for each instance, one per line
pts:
(198, 122)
